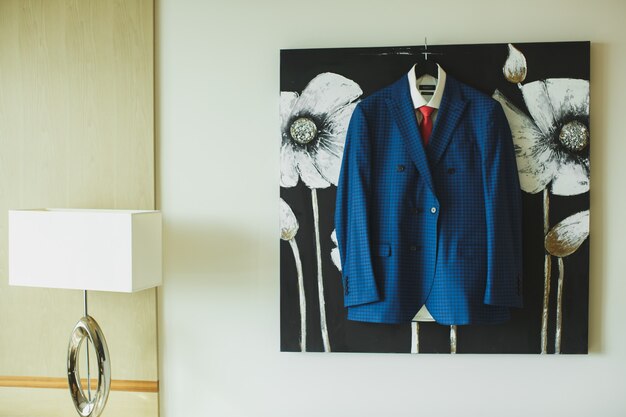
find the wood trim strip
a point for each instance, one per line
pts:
(53, 382)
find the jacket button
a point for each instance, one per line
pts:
(433, 210)
(400, 168)
(413, 248)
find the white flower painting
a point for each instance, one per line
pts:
(551, 147)
(288, 229)
(313, 132)
(552, 154)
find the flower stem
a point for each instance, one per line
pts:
(296, 255)
(453, 339)
(547, 273)
(559, 302)
(320, 280)
(415, 337)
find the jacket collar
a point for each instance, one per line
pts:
(450, 112)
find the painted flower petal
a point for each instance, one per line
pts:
(327, 159)
(566, 236)
(337, 122)
(288, 171)
(287, 101)
(328, 152)
(308, 172)
(529, 182)
(524, 130)
(571, 178)
(514, 68)
(568, 97)
(334, 253)
(535, 164)
(325, 94)
(288, 222)
(539, 171)
(539, 105)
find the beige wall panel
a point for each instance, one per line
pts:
(76, 130)
(37, 402)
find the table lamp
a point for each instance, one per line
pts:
(86, 249)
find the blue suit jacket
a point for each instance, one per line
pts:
(439, 224)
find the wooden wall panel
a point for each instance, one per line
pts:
(76, 130)
(37, 402)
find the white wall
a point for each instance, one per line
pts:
(217, 86)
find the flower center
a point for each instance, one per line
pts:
(574, 136)
(303, 130)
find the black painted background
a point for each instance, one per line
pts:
(481, 67)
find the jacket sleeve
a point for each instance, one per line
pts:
(352, 214)
(503, 212)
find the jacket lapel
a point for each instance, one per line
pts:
(401, 107)
(448, 116)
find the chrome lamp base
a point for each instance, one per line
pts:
(88, 329)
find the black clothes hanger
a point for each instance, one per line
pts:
(426, 65)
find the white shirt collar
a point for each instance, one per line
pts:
(418, 99)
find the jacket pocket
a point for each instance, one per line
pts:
(384, 249)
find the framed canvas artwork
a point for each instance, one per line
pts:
(541, 93)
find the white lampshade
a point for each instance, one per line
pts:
(101, 250)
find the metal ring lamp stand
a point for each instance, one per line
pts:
(88, 329)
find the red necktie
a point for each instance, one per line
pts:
(426, 127)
